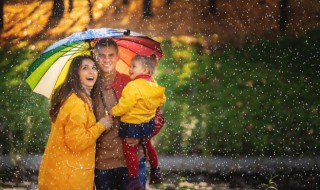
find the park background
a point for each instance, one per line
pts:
(241, 76)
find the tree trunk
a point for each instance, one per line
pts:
(168, 2)
(58, 8)
(1, 14)
(283, 9)
(90, 10)
(125, 2)
(213, 6)
(147, 11)
(70, 6)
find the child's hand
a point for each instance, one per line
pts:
(132, 141)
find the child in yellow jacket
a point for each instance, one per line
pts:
(137, 108)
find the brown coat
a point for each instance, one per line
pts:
(109, 153)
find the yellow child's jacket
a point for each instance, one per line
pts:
(139, 100)
(69, 157)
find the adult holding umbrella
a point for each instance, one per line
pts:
(111, 169)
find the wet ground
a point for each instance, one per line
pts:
(196, 172)
(201, 183)
(164, 186)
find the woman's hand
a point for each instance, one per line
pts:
(107, 121)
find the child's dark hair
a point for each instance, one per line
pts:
(149, 62)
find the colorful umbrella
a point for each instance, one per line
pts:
(48, 71)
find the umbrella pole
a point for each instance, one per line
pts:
(90, 47)
(89, 42)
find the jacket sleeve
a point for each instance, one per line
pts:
(78, 136)
(164, 99)
(128, 99)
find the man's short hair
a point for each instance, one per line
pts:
(106, 42)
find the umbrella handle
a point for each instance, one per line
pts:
(90, 48)
(104, 102)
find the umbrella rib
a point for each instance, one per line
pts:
(130, 40)
(136, 52)
(70, 52)
(124, 62)
(66, 54)
(155, 50)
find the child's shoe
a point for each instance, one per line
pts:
(134, 184)
(155, 176)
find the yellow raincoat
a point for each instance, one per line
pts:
(139, 100)
(69, 157)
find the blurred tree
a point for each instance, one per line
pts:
(125, 2)
(70, 6)
(5, 145)
(89, 5)
(24, 119)
(147, 10)
(168, 2)
(283, 6)
(213, 6)
(90, 10)
(235, 101)
(58, 8)
(1, 14)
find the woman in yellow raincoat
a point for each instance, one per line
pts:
(69, 157)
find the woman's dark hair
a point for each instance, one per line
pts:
(70, 85)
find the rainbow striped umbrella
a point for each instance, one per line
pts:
(48, 71)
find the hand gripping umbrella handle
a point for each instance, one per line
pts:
(104, 103)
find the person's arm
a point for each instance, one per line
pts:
(127, 101)
(78, 136)
(98, 108)
(164, 98)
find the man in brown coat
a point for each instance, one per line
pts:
(111, 170)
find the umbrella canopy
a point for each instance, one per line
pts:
(48, 71)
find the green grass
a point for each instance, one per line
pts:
(259, 100)
(23, 114)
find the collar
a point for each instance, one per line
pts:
(120, 81)
(114, 83)
(146, 77)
